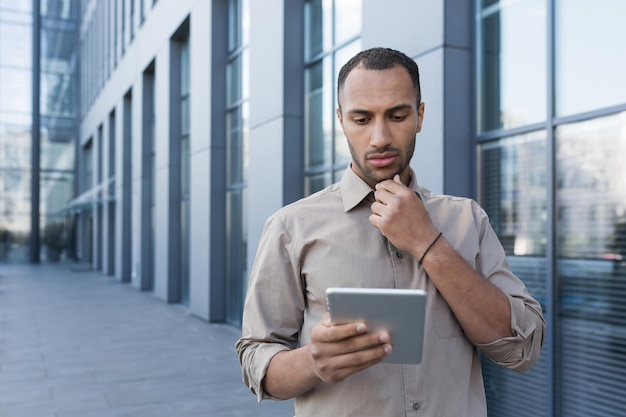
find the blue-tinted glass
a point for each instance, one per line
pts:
(15, 91)
(15, 45)
(318, 27)
(342, 151)
(233, 82)
(348, 15)
(512, 189)
(512, 64)
(591, 265)
(319, 114)
(590, 58)
(234, 147)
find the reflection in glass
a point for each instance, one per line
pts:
(15, 45)
(15, 92)
(512, 69)
(318, 115)
(512, 190)
(15, 206)
(237, 119)
(342, 151)
(318, 27)
(590, 58)
(185, 91)
(348, 14)
(591, 245)
(329, 26)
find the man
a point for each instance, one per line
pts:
(378, 228)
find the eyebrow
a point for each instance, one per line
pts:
(390, 110)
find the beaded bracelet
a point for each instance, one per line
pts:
(431, 245)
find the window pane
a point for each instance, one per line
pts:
(15, 194)
(342, 152)
(318, 30)
(15, 45)
(316, 182)
(512, 189)
(591, 231)
(234, 34)
(17, 5)
(590, 68)
(348, 14)
(512, 64)
(15, 91)
(234, 148)
(233, 82)
(319, 114)
(237, 245)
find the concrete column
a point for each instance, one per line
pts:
(162, 146)
(200, 279)
(276, 112)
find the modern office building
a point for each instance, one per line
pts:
(167, 131)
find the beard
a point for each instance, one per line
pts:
(371, 175)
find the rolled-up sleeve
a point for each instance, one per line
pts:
(273, 311)
(520, 351)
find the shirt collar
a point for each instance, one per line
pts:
(354, 189)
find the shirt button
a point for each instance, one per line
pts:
(399, 255)
(416, 406)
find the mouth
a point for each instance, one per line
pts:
(382, 160)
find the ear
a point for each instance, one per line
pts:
(339, 116)
(420, 116)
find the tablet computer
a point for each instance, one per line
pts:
(399, 311)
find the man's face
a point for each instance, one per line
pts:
(380, 117)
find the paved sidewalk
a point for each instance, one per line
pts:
(80, 344)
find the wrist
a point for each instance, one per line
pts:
(428, 248)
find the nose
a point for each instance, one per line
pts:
(381, 136)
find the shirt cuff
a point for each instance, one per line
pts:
(263, 356)
(520, 351)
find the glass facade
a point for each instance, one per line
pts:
(185, 91)
(512, 81)
(591, 265)
(332, 36)
(53, 176)
(237, 109)
(589, 69)
(550, 149)
(15, 129)
(148, 181)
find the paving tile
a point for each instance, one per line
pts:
(79, 344)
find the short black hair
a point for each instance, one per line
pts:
(380, 59)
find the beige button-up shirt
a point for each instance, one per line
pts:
(326, 240)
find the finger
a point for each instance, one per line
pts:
(334, 333)
(357, 361)
(326, 320)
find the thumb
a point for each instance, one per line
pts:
(397, 179)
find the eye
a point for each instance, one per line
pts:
(360, 120)
(398, 117)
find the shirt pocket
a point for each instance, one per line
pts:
(445, 322)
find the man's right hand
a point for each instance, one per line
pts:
(341, 350)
